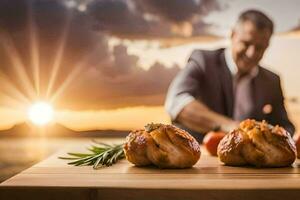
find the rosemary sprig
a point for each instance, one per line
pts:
(100, 155)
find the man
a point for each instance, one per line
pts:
(217, 89)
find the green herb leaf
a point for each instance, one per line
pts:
(101, 155)
(151, 127)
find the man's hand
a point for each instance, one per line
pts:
(199, 117)
(228, 127)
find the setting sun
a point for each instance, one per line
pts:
(40, 113)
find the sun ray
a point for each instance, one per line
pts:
(11, 90)
(74, 73)
(77, 69)
(17, 64)
(59, 55)
(34, 51)
(12, 98)
(12, 103)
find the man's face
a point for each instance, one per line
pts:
(248, 45)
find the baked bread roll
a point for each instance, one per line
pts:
(259, 144)
(165, 146)
(297, 142)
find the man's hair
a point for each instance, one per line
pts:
(258, 18)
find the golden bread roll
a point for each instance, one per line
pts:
(165, 146)
(297, 142)
(259, 144)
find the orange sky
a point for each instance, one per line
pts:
(127, 118)
(123, 114)
(96, 81)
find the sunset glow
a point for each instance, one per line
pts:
(117, 79)
(40, 113)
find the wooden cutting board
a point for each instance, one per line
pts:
(208, 179)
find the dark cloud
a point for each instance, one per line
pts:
(118, 18)
(177, 10)
(150, 18)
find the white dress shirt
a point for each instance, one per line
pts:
(243, 103)
(174, 106)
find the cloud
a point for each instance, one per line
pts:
(120, 83)
(152, 18)
(109, 78)
(121, 19)
(293, 32)
(177, 10)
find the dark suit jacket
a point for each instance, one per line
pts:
(207, 78)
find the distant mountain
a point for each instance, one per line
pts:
(57, 130)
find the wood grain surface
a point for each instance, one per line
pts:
(208, 179)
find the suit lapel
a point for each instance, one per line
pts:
(226, 84)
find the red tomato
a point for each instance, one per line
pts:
(297, 142)
(211, 141)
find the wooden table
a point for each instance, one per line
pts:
(208, 179)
